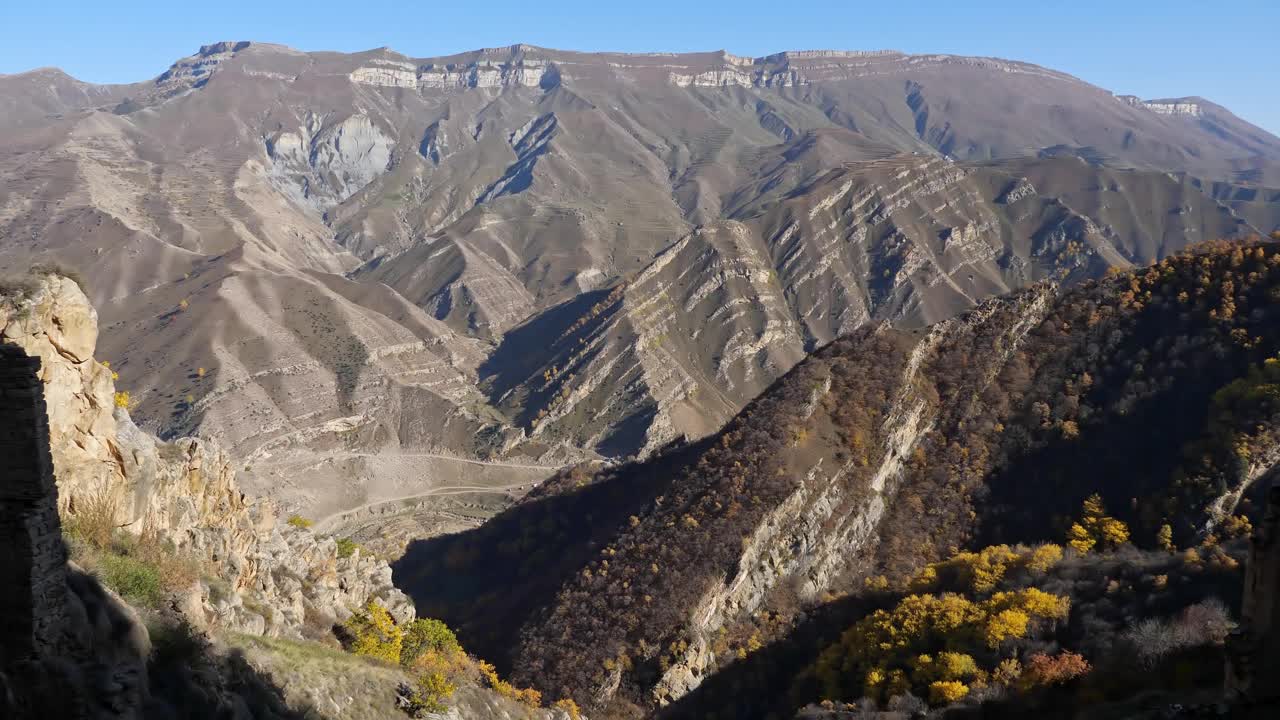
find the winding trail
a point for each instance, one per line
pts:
(437, 456)
(335, 520)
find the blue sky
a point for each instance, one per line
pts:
(1225, 51)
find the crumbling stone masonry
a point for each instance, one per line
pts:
(33, 569)
(1253, 672)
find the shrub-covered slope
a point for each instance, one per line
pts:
(880, 453)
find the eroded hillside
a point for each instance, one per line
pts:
(352, 267)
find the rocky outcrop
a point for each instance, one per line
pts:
(323, 162)
(270, 575)
(499, 68)
(1185, 108)
(684, 342)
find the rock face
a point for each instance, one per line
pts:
(321, 164)
(184, 491)
(34, 568)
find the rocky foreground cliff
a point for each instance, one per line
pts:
(269, 575)
(72, 648)
(878, 454)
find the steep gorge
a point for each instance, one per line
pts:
(874, 456)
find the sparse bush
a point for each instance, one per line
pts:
(431, 692)
(908, 704)
(122, 399)
(528, 696)
(1205, 623)
(18, 286)
(346, 546)
(50, 267)
(426, 634)
(93, 518)
(1151, 640)
(300, 522)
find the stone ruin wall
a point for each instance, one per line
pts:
(1253, 672)
(33, 569)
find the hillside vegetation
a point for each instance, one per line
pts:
(889, 450)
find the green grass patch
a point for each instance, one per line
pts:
(137, 581)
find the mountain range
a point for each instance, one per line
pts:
(825, 384)
(351, 266)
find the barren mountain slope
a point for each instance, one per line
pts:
(537, 255)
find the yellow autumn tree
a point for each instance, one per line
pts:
(1043, 558)
(983, 570)
(931, 638)
(1080, 539)
(1112, 532)
(926, 669)
(374, 633)
(569, 707)
(1096, 528)
(945, 692)
(1004, 625)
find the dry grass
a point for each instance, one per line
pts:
(93, 519)
(144, 569)
(52, 267)
(315, 675)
